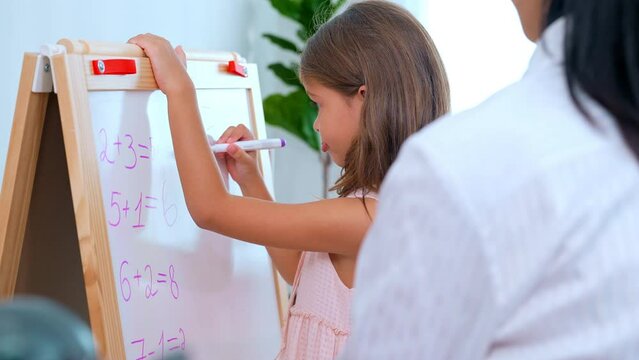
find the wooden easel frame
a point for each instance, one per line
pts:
(74, 80)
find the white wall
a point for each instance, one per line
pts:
(199, 24)
(481, 43)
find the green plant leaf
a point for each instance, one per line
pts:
(314, 13)
(287, 74)
(288, 8)
(295, 113)
(283, 43)
(308, 15)
(338, 4)
(303, 35)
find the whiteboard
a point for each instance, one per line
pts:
(180, 288)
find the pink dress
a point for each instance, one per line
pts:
(318, 323)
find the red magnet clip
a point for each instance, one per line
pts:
(114, 67)
(236, 68)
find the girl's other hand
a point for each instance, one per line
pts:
(240, 164)
(169, 65)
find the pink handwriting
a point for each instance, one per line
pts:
(147, 278)
(163, 345)
(127, 150)
(127, 210)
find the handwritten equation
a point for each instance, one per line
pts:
(147, 279)
(123, 150)
(128, 209)
(158, 349)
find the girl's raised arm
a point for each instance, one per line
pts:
(334, 226)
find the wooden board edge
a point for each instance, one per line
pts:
(84, 178)
(19, 174)
(105, 48)
(258, 123)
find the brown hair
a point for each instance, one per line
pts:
(380, 45)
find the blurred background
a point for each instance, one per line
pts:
(481, 43)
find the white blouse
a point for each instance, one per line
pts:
(510, 231)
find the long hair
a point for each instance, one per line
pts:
(380, 45)
(602, 57)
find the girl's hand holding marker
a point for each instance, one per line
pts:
(248, 145)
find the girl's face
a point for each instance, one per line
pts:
(338, 118)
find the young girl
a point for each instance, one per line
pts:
(376, 78)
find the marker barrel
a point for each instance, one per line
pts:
(251, 145)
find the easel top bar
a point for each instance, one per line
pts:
(103, 48)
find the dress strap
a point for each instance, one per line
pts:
(291, 298)
(358, 194)
(298, 274)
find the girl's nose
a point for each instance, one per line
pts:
(316, 125)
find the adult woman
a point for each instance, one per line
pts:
(515, 223)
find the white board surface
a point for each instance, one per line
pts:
(179, 288)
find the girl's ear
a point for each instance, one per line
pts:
(362, 91)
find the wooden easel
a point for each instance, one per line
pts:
(53, 235)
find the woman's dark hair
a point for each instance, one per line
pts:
(602, 57)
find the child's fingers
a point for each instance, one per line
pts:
(235, 133)
(149, 41)
(238, 154)
(225, 135)
(240, 132)
(137, 38)
(179, 51)
(141, 40)
(133, 40)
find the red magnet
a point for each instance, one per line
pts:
(114, 67)
(237, 68)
